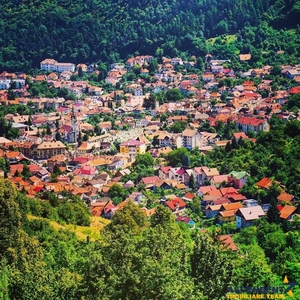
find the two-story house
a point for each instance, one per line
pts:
(247, 215)
(251, 123)
(227, 212)
(238, 179)
(177, 206)
(133, 148)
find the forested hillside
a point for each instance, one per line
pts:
(86, 31)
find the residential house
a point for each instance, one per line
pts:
(219, 180)
(227, 212)
(48, 149)
(163, 172)
(198, 176)
(212, 211)
(208, 174)
(237, 179)
(53, 65)
(265, 183)
(137, 197)
(244, 57)
(251, 123)
(188, 221)
(205, 190)
(189, 197)
(287, 212)
(150, 182)
(180, 174)
(239, 135)
(141, 122)
(133, 148)
(177, 205)
(207, 77)
(164, 140)
(247, 215)
(286, 198)
(4, 84)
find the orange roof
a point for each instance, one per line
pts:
(287, 211)
(231, 206)
(265, 183)
(285, 197)
(229, 213)
(228, 242)
(12, 154)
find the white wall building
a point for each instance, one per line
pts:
(4, 84)
(53, 65)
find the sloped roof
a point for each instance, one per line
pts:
(252, 213)
(228, 242)
(265, 183)
(231, 206)
(174, 203)
(286, 211)
(285, 197)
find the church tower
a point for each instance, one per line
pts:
(74, 134)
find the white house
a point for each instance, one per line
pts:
(4, 84)
(53, 65)
(246, 216)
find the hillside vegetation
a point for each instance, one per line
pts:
(86, 31)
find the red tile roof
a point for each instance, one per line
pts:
(175, 203)
(250, 121)
(150, 179)
(166, 170)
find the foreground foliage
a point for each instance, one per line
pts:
(135, 258)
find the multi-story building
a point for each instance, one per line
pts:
(49, 149)
(53, 65)
(133, 148)
(190, 139)
(42, 150)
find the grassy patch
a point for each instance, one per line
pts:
(228, 39)
(82, 232)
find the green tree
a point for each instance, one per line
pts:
(10, 218)
(252, 261)
(175, 157)
(192, 184)
(174, 95)
(26, 172)
(211, 267)
(145, 159)
(186, 160)
(273, 213)
(178, 126)
(117, 192)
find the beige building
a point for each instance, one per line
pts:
(48, 149)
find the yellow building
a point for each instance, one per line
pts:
(133, 148)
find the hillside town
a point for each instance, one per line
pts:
(86, 140)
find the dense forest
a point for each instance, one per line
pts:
(89, 31)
